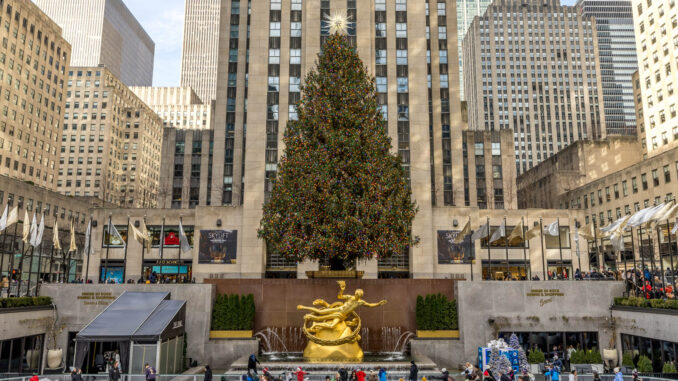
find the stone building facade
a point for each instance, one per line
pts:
(178, 107)
(541, 82)
(111, 144)
(34, 64)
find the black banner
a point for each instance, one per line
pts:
(450, 252)
(218, 246)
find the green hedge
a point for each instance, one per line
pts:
(644, 364)
(233, 312)
(436, 312)
(669, 368)
(586, 357)
(25, 301)
(633, 301)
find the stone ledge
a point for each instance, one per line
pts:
(647, 310)
(25, 309)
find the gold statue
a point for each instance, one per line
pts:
(335, 328)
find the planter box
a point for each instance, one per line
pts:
(230, 334)
(335, 274)
(535, 368)
(599, 368)
(441, 334)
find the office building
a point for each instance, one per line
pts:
(657, 72)
(34, 65)
(178, 107)
(617, 56)
(111, 141)
(466, 11)
(532, 67)
(105, 32)
(200, 50)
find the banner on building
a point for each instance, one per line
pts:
(450, 252)
(218, 246)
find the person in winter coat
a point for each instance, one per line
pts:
(208, 373)
(445, 375)
(414, 370)
(252, 364)
(76, 375)
(360, 375)
(150, 372)
(373, 376)
(382, 374)
(114, 372)
(343, 374)
(618, 376)
(504, 377)
(300, 374)
(553, 372)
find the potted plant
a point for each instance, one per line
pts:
(669, 368)
(535, 357)
(644, 364)
(54, 353)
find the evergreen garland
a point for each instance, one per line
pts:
(340, 192)
(233, 312)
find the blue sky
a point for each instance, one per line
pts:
(164, 21)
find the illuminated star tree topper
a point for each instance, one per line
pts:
(338, 23)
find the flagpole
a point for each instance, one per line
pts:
(624, 252)
(11, 258)
(162, 237)
(67, 270)
(51, 254)
(30, 270)
(489, 253)
(506, 248)
(143, 247)
(595, 244)
(659, 244)
(649, 238)
(39, 260)
(124, 261)
(470, 242)
(108, 246)
(522, 222)
(89, 248)
(642, 257)
(543, 254)
(635, 266)
(560, 248)
(673, 274)
(2, 254)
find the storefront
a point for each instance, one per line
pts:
(22, 355)
(502, 270)
(658, 351)
(168, 270)
(552, 343)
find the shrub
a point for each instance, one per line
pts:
(593, 357)
(25, 301)
(578, 357)
(669, 368)
(436, 312)
(627, 360)
(633, 301)
(644, 364)
(536, 356)
(233, 312)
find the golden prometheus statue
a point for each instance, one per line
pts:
(334, 329)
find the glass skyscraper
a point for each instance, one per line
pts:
(466, 11)
(617, 52)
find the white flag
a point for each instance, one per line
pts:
(644, 215)
(185, 246)
(113, 232)
(41, 230)
(55, 235)
(34, 230)
(463, 233)
(3, 219)
(617, 225)
(13, 217)
(552, 229)
(26, 234)
(482, 232)
(667, 214)
(499, 233)
(675, 227)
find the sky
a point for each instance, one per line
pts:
(164, 22)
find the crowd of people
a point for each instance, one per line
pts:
(651, 283)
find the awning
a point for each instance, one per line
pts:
(139, 316)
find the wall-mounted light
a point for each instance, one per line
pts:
(136, 224)
(455, 223)
(94, 223)
(218, 221)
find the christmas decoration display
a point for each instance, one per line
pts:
(340, 194)
(497, 356)
(499, 363)
(522, 357)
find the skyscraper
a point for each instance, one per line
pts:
(617, 55)
(104, 32)
(33, 70)
(532, 66)
(466, 11)
(657, 72)
(200, 51)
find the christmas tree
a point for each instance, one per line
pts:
(340, 193)
(522, 357)
(499, 363)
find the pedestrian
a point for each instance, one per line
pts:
(382, 374)
(488, 373)
(208, 373)
(360, 375)
(300, 374)
(150, 372)
(35, 377)
(444, 374)
(75, 375)
(503, 376)
(353, 376)
(634, 375)
(553, 372)
(414, 370)
(475, 376)
(596, 376)
(267, 375)
(343, 374)
(373, 376)
(618, 374)
(252, 365)
(327, 378)
(573, 376)
(114, 372)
